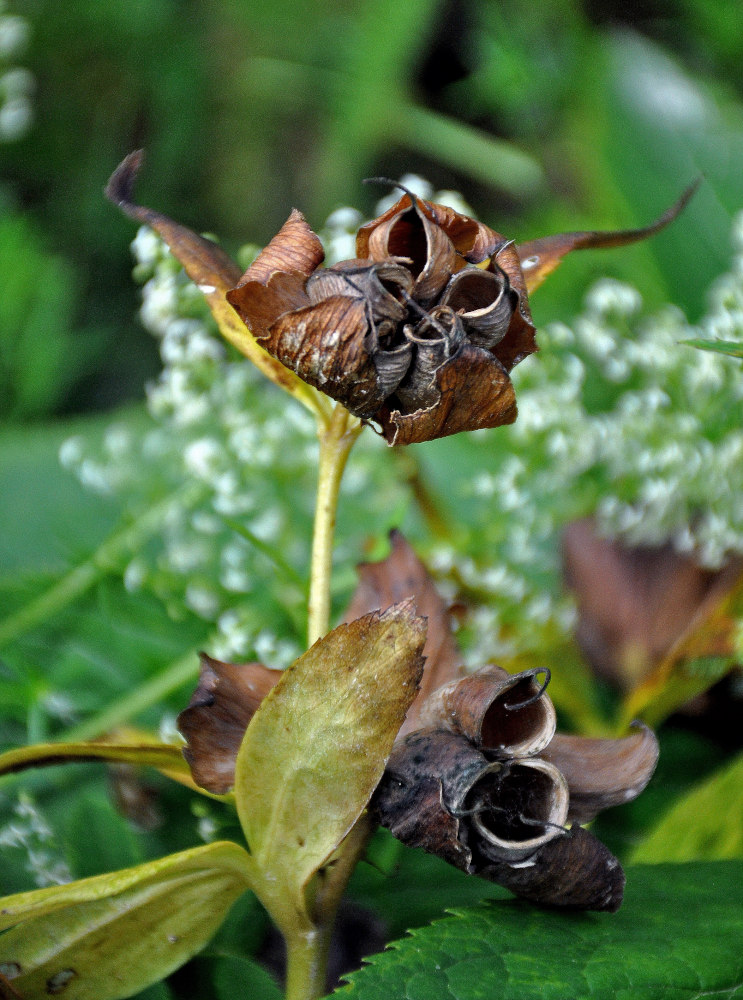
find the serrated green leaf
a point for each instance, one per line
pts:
(707, 824)
(677, 936)
(316, 748)
(109, 936)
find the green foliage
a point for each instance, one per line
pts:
(707, 823)
(512, 951)
(111, 935)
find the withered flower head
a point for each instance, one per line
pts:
(420, 331)
(485, 782)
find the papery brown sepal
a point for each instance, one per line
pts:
(400, 576)
(540, 257)
(574, 870)
(204, 261)
(603, 772)
(225, 700)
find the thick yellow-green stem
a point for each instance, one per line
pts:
(337, 436)
(307, 949)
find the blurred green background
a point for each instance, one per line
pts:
(554, 116)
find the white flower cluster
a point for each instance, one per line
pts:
(16, 83)
(28, 831)
(621, 420)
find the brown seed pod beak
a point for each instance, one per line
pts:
(499, 712)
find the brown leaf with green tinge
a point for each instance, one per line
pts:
(399, 577)
(110, 936)
(225, 700)
(540, 257)
(208, 266)
(318, 745)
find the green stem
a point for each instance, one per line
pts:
(107, 556)
(307, 950)
(307, 962)
(337, 437)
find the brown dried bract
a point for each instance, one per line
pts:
(225, 700)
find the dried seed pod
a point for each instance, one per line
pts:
(499, 712)
(603, 772)
(440, 793)
(225, 700)
(573, 870)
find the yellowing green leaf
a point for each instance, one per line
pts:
(110, 936)
(707, 824)
(316, 749)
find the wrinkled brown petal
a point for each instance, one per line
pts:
(261, 304)
(574, 870)
(410, 234)
(204, 261)
(475, 393)
(485, 303)
(520, 339)
(398, 577)
(603, 772)
(497, 711)
(504, 810)
(225, 700)
(472, 240)
(540, 257)
(329, 345)
(635, 602)
(295, 248)
(381, 285)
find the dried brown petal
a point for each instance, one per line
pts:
(475, 392)
(483, 299)
(295, 248)
(635, 602)
(603, 772)
(495, 710)
(574, 870)
(224, 702)
(203, 260)
(400, 576)
(503, 810)
(410, 234)
(540, 257)
(329, 345)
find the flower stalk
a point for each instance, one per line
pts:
(337, 437)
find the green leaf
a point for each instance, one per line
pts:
(109, 936)
(705, 824)
(718, 346)
(164, 756)
(676, 937)
(316, 748)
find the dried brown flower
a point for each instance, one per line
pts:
(485, 782)
(420, 331)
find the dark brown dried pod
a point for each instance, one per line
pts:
(573, 870)
(603, 772)
(502, 713)
(225, 700)
(441, 793)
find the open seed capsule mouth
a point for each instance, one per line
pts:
(520, 719)
(518, 808)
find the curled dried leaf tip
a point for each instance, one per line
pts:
(420, 331)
